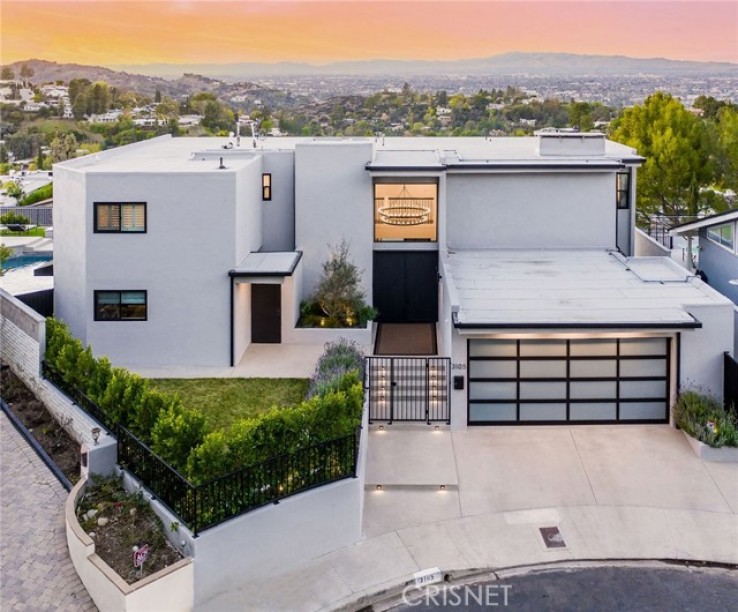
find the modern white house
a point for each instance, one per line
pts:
(184, 251)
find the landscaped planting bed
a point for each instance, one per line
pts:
(57, 443)
(223, 401)
(117, 521)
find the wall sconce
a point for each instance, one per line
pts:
(379, 487)
(95, 434)
(442, 487)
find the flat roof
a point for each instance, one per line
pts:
(190, 154)
(576, 288)
(268, 264)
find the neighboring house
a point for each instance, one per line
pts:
(183, 252)
(718, 253)
(718, 248)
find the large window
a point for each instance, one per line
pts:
(722, 234)
(120, 305)
(120, 217)
(406, 211)
(622, 190)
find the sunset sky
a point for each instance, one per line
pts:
(211, 31)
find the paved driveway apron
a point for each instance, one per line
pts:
(36, 572)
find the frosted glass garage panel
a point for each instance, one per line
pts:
(491, 390)
(642, 388)
(542, 412)
(593, 348)
(493, 369)
(543, 369)
(606, 411)
(542, 390)
(601, 368)
(631, 411)
(493, 412)
(493, 348)
(593, 390)
(630, 368)
(543, 348)
(643, 346)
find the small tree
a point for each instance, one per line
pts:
(338, 292)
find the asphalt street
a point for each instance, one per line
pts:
(604, 589)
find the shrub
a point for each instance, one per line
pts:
(37, 195)
(177, 431)
(10, 217)
(703, 417)
(338, 358)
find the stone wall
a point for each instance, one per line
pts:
(22, 345)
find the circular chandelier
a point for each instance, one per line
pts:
(404, 209)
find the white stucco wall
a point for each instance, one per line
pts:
(70, 240)
(248, 210)
(278, 215)
(702, 349)
(532, 210)
(333, 195)
(182, 261)
(241, 319)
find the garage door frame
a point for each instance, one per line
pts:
(568, 379)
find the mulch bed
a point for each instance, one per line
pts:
(62, 449)
(127, 518)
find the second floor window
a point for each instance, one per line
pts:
(114, 217)
(622, 187)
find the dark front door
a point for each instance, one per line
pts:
(266, 314)
(405, 286)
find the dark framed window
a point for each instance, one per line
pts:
(406, 210)
(121, 305)
(120, 217)
(722, 234)
(266, 186)
(622, 190)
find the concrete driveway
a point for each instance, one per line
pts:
(428, 475)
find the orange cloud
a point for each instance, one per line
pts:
(202, 31)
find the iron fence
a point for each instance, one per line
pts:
(205, 505)
(730, 383)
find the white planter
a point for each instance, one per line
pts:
(321, 335)
(714, 455)
(172, 588)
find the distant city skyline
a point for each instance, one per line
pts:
(118, 32)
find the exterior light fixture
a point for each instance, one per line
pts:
(379, 487)
(442, 487)
(437, 428)
(95, 434)
(381, 428)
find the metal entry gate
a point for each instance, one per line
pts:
(409, 388)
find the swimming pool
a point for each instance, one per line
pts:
(25, 260)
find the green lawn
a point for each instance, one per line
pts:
(34, 231)
(225, 400)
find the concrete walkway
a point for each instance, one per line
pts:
(37, 573)
(621, 492)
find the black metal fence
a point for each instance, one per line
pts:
(205, 505)
(37, 215)
(409, 388)
(730, 383)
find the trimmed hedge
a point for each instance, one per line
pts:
(179, 435)
(37, 195)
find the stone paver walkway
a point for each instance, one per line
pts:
(36, 572)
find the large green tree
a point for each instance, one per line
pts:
(679, 164)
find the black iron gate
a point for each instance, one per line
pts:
(409, 388)
(730, 383)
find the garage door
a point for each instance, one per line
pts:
(613, 380)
